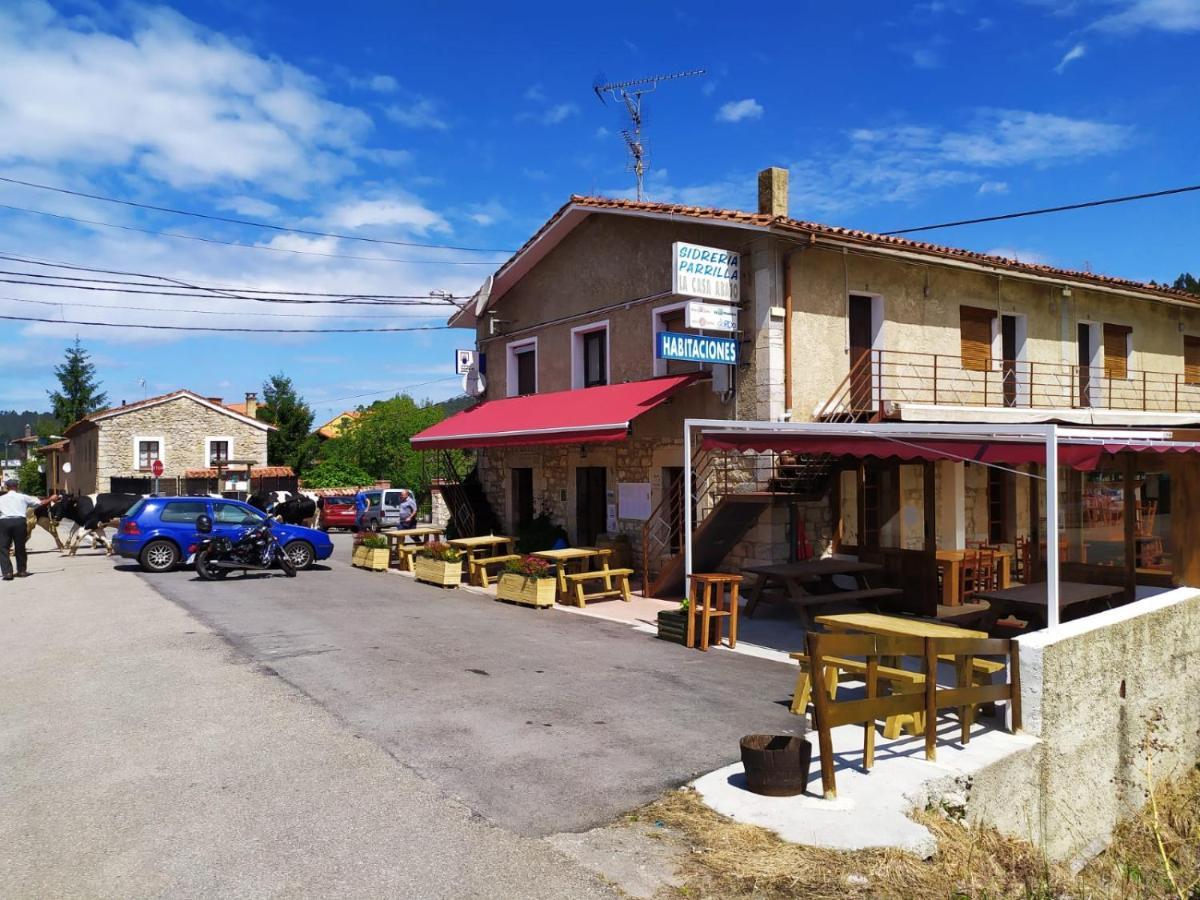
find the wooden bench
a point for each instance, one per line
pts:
(404, 555)
(579, 579)
(477, 569)
(902, 681)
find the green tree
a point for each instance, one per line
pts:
(33, 482)
(334, 473)
(292, 443)
(1187, 282)
(79, 392)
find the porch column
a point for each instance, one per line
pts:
(952, 512)
(1052, 552)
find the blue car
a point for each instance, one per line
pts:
(160, 532)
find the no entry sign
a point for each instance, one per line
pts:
(157, 468)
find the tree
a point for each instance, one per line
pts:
(292, 443)
(335, 473)
(1187, 282)
(33, 482)
(79, 392)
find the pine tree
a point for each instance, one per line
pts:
(292, 443)
(1187, 282)
(79, 394)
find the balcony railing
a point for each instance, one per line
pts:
(881, 379)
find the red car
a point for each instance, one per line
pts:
(337, 512)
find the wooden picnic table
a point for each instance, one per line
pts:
(563, 558)
(396, 538)
(950, 561)
(894, 626)
(796, 578)
(1028, 601)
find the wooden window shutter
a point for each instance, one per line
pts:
(1191, 359)
(976, 331)
(1116, 350)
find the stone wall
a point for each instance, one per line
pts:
(182, 425)
(1106, 695)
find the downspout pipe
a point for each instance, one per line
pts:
(787, 336)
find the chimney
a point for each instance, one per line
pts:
(252, 404)
(216, 400)
(28, 430)
(773, 192)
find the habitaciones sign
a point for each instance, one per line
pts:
(706, 272)
(696, 348)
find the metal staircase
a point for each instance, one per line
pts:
(470, 512)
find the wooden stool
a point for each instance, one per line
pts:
(712, 617)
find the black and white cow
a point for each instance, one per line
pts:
(289, 508)
(91, 515)
(42, 517)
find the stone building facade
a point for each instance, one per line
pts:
(184, 430)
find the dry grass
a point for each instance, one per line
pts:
(730, 860)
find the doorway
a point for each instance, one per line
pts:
(862, 333)
(1008, 357)
(591, 503)
(1086, 348)
(522, 497)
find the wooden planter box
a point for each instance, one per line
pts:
(538, 592)
(672, 626)
(435, 571)
(371, 558)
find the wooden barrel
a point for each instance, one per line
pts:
(776, 764)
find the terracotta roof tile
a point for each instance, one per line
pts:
(149, 401)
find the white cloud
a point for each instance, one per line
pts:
(926, 58)
(993, 187)
(1159, 15)
(1076, 52)
(558, 113)
(709, 87)
(739, 110)
(420, 113)
(535, 94)
(401, 211)
(1025, 256)
(185, 105)
(249, 206)
(383, 84)
(486, 214)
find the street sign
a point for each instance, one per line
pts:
(710, 316)
(463, 361)
(707, 273)
(696, 348)
(157, 468)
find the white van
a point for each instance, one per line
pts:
(378, 509)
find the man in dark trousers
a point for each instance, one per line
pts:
(13, 505)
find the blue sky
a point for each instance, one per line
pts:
(468, 124)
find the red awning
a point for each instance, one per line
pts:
(585, 416)
(1082, 456)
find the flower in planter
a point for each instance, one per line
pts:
(529, 567)
(374, 542)
(441, 551)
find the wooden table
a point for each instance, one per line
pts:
(563, 558)
(795, 577)
(894, 626)
(397, 536)
(950, 562)
(1028, 601)
(474, 546)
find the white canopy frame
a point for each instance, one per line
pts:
(1049, 435)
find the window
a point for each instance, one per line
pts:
(522, 496)
(589, 355)
(218, 451)
(1002, 501)
(672, 318)
(1191, 359)
(230, 514)
(1116, 350)
(522, 368)
(975, 329)
(184, 511)
(147, 453)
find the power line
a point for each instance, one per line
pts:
(391, 390)
(226, 330)
(248, 222)
(1049, 209)
(210, 312)
(206, 240)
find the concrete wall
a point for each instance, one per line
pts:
(1104, 695)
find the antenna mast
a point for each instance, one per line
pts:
(630, 94)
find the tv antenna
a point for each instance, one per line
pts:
(630, 94)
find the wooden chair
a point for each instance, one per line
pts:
(712, 617)
(1023, 560)
(977, 573)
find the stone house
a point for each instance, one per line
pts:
(183, 430)
(833, 324)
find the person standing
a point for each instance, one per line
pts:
(13, 506)
(408, 509)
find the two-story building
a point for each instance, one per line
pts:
(581, 420)
(192, 436)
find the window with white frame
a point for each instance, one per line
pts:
(589, 355)
(521, 371)
(218, 451)
(146, 450)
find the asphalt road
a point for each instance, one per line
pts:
(539, 721)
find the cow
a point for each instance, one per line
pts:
(91, 515)
(40, 516)
(289, 508)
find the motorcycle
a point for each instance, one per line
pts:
(255, 549)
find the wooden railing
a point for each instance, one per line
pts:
(963, 697)
(881, 379)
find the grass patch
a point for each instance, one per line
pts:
(732, 860)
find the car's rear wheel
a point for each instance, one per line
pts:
(300, 554)
(159, 556)
(374, 526)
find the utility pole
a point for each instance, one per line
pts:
(630, 94)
